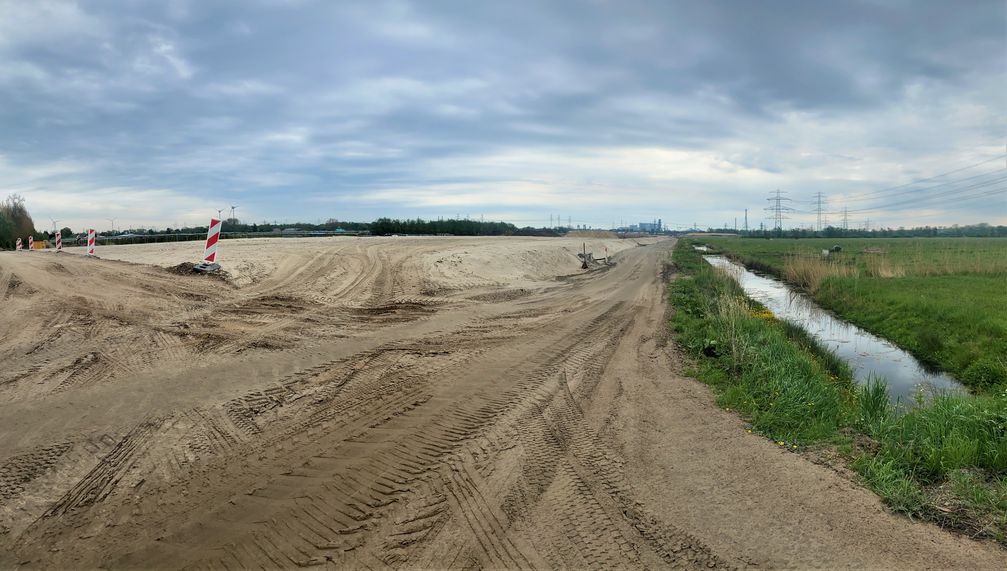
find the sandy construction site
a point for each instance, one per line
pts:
(394, 403)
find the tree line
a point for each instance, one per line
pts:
(455, 227)
(381, 226)
(15, 222)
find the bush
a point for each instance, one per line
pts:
(15, 222)
(986, 372)
(930, 342)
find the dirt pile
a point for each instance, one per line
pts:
(591, 234)
(189, 269)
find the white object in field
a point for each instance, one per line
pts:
(212, 237)
(19, 243)
(825, 253)
(90, 242)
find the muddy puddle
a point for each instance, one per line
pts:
(868, 355)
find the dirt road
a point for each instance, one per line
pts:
(394, 403)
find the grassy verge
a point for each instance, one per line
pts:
(941, 299)
(945, 461)
(753, 359)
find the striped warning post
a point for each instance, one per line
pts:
(19, 243)
(90, 242)
(31, 243)
(59, 242)
(212, 237)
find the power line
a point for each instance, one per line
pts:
(778, 209)
(818, 196)
(969, 198)
(996, 158)
(942, 194)
(930, 188)
(944, 189)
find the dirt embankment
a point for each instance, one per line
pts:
(414, 403)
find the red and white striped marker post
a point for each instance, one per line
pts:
(59, 242)
(19, 243)
(31, 243)
(212, 236)
(90, 242)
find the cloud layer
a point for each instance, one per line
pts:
(160, 113)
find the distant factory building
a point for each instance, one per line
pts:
(652, 227)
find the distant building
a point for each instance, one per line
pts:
(652, 227)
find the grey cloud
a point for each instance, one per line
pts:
(273, 101)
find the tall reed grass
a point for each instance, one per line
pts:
(883, 258)
(808, 272)
(879, 266)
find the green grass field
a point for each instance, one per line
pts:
(944, 460)
(942, 299)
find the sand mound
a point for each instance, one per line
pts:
(591, 234)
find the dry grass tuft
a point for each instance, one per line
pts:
(809, 272)
(881, 267)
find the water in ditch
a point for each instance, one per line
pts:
(868, 355)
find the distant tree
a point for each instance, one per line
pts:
(15, 222)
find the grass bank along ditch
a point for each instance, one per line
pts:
(942, 299)
(945, 460)
(868, 355)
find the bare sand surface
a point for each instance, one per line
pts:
(394, 402)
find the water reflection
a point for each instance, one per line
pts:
(867, 354)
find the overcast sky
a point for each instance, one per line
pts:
(159, 113)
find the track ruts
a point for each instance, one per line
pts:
(428, 452)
